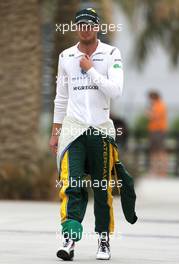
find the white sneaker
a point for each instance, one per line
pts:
(103, 248)
(66, 252)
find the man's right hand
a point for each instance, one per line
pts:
(54, 138)
(53, 144)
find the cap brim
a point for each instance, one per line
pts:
(85, 21)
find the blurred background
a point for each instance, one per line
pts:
(29, 49)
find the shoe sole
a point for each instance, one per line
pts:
(64, 255)
(98, 258)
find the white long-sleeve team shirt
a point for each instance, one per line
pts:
(86, 96)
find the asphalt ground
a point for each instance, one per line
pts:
(29, 231)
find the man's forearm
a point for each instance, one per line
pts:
(56, 128)
(112, 88)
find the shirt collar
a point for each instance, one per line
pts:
(99, 49)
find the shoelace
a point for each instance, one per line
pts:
(104, 246)
(66, 242)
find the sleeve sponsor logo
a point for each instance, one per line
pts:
(106, 108)
(116, 66)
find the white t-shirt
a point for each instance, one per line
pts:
(86, 95)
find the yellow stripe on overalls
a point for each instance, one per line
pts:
(109, 191)
(116, 159)
(64, 177)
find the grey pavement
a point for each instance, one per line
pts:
(29, 231)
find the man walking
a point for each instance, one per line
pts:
(89, 75)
